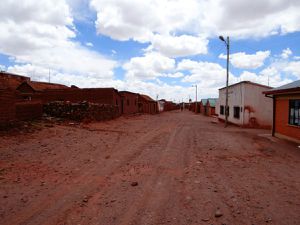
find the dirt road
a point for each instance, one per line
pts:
(172, 168)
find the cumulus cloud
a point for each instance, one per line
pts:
(209, 76)
(89, 44)
(286, 53)
(293, 67)
(240, 19)
(179, 46)
(269, 76)
(153, 21)
(247, 61)
(149, 66)
(40, 34)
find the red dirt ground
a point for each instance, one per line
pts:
(186, 168)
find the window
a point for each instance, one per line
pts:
(294, 115)
(222, 110)
(236, 112)
(127, 101)
(116, 101)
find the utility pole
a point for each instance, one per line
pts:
(227, 77)
(196, 98)
(49, 76)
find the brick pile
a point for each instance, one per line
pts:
(82, 111)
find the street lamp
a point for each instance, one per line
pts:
(196, 98)
(227, 77)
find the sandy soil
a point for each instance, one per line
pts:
(172, 168)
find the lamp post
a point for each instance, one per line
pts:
(196, 98)
(227, 77)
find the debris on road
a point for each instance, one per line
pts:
(133, 184)
(218, 213)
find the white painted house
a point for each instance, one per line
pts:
(248, 106)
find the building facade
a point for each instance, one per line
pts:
(286, 111)
(248, 106)
(210, 108)
(129, 102)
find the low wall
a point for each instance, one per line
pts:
(7, 107)
(28, 110)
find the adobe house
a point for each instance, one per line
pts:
(202, 106)
(210, 109)
(129, 102)
(11, 81)
(161, 105)
(248, 107)
(33, 89)
(169, 106)
(286, 111)
(147, 104)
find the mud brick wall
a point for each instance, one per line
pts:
(169, 106)
(7, 107)
(28, 110)
(129, 102)
(81, 111)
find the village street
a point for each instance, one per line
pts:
(171, 168)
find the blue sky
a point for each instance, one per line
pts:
(156, 47)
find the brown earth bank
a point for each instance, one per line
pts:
(171, 168)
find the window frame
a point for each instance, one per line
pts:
(222, 110)
(294, 104)
(236, 112)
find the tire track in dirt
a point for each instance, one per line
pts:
(60, 199)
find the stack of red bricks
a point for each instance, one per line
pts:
(82, 111)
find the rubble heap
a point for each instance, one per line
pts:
(81, 111)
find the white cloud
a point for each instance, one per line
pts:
(293, 68)
(40, 34)
(209, 76)
(89, 44)
(286, 53)
(269, 76)
(2, 68)
(247, 61)
(179, 46)
(296, 57)
(239, 19)
(152, 21)
(149, 66)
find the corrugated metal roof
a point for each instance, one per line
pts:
(212, 101)
(287, 88)
(203, 101)
(295, 84)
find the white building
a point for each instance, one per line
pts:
(161, 104)
(248, 106)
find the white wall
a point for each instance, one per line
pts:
(262, 106)
(247, 94)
